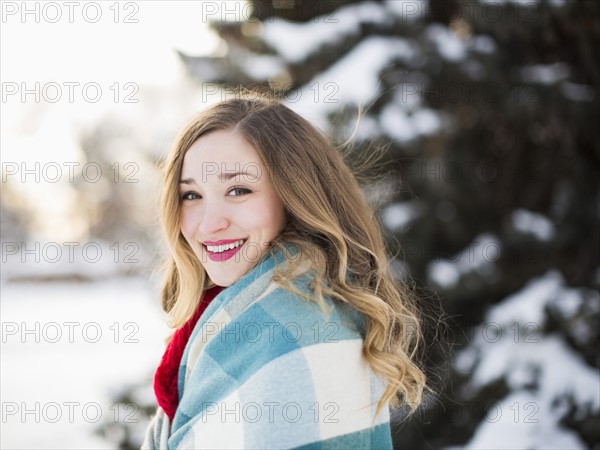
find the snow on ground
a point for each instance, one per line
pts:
(94, 259)
(65, 349)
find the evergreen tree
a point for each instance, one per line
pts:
(490, 110)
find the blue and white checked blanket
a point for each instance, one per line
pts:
(265, 368)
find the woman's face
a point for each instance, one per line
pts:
(229, 208)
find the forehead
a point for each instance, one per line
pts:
(222, 149)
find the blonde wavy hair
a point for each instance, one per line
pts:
(330, 221)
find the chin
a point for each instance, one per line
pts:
(224, 280)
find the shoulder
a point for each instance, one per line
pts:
(290, 320)
(284, 325)
(278, 372)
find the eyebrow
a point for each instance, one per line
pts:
(224, 176)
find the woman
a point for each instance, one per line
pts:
(290, 329)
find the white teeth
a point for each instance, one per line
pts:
(222, 248)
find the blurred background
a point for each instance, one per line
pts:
(484, 118)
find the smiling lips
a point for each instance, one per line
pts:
(223, 250)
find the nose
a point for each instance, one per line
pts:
(214, 219)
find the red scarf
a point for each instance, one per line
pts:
(165, 379)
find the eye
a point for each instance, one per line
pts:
(239, 192)
(189, 196)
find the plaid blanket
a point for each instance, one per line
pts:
(265, 368)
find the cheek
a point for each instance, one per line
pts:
(186, 223)
(276, 220)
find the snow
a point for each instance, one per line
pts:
(521, 421)
(398, 216)
(426, 121)
(577, 92)
(263, 67)
(478, 256)
(357, 73)
(449, 45)
(541, 370)
(297, 41)
(95, 259)
(52, 355)
(483, 43)
(353, 79)
(528, 3)
(527, 305)
(548, 360)
(408, 10)
(546, 74)
(444, 274)
(533, 223)
(517, 342)
(403, 119)
(367, 129)
(558, 372)
(396, 123)
(570, 302)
